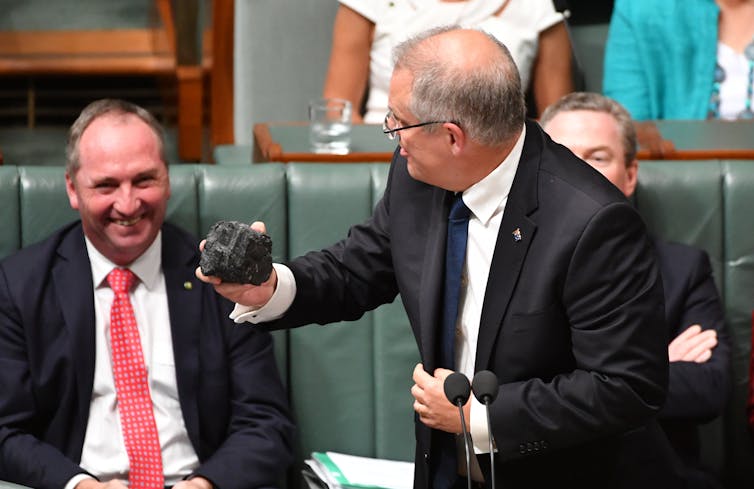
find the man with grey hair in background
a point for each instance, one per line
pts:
(511, 255)
(600, 131)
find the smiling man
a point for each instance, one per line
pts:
(116, 364)
(511, 255)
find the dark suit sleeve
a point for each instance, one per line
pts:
(257, 448)
(696, 390)
(351, 277)
(23, 457)
(611, 316)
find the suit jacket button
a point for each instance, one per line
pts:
(522, 449)
(543, 444)
(426, 457)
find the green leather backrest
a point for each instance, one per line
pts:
(683, 202)
(344, 395)
(10, 239)
(738, 216)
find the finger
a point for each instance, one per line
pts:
(699, 344)
(420, 376)
(259, 227)
(201, 244)
(442, 373)
(704, 356)
(206, 278)
(417, 392)
(680, 346)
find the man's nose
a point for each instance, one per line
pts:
(127, 200)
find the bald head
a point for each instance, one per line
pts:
(466, 76)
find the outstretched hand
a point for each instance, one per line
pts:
(245, 294)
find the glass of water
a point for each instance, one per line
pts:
(330, 125)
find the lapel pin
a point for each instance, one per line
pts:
(517, 234)
(188, 285)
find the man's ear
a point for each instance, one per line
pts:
(456, 137)
(70, 189)
(632, 177)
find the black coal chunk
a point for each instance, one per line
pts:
(237, 254)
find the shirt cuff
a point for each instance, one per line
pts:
(76, 479)
(276, 307)
(480, 432)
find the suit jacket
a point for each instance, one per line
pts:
(572, 322)
(232, 401)
(697, 392)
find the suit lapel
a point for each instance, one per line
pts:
(184, 303)
(430, 298)
(516, 233)
(75, 294)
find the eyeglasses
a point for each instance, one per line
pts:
(392, 134)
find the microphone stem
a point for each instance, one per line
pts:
(465, 445)
(492, 453)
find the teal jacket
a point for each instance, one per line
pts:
(660, 57)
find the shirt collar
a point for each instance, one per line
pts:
(146, 267)
(485, 197)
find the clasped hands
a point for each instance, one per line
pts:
(693, 345)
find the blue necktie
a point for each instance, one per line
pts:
(455, 254)
(445, 465)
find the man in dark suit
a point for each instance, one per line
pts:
(210, 394)
(600, 131)
(560, 295)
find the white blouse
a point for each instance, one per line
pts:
(518, 26)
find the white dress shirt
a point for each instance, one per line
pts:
(104, 453)
(486, 199)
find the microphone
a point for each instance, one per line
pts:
(458, 390)
(485, 385)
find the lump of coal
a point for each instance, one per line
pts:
(236, 253)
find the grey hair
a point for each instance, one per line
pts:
(597, 103)
(99, 108)
(487, 103)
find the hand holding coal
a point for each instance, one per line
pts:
(236, 253)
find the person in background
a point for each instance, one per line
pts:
(365, 32)
(511, 255)
(600, 131)
(681, 59)
(116, 363)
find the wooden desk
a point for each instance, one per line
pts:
(289, 141)
(702, 140)
(690, 140)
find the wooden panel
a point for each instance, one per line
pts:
(89, 42)
(221, 103)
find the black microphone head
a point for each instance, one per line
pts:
(485, 385)
(457, 388)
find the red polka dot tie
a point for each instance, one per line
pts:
(132, 388)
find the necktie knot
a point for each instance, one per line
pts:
(121, 280)
(458, 210)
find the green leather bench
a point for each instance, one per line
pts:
(349, 384)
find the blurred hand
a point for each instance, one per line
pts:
(430, 402)
(194, 483)
(95, 484)
(649, 139)
(244, 294)
(693, 345)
